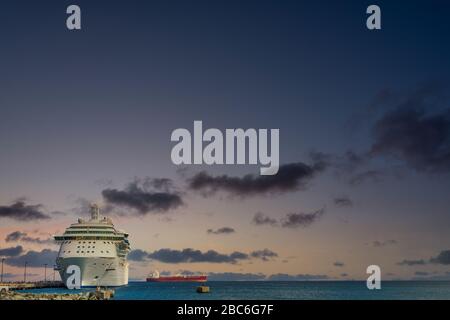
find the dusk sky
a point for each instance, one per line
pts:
(364, 119)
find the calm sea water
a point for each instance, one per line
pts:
(228, 290)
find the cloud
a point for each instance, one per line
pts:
(412, 262)
(414, 135)
(223, 230)
(189, 255)
(421, 273)
(11, 252)
(343, 201)
(377, 243)
(35, 259)
(137, 255)
(22, 236)
(338, 264)
(264, 255)
(233, 276)
(260, 219)
(442, 258)
(14, 236)
(20, 211)
(291, 220)
(145, 196)
(296, 220)
(290, 177)
(298, 277)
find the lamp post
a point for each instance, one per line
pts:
(3, 260)
(45, 272)
(53, 273)
(25, 272)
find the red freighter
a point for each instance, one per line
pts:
(155, 277)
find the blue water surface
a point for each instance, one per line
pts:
(248, 290)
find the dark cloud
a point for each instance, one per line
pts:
(190, 255)
(290, 177)
(137, 255)
(338, 264)
(223, 230)
(384, 243)
(23, 237)
(260, 219)
(419, 138)
(298, 277)
(442, 258)
(343, 201)
(412, 129)
(11, 252)
(19, 210)
(291, 220)
(264, 255)
(412, 262)
(34, 258)
(233, 276)
(15, 236)
(296, 220)
(145, 197)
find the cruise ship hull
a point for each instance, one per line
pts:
(96, 271)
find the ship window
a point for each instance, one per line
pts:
(78, 251)
(101, 251)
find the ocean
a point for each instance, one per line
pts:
(278, 290)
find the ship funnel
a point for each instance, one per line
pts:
(95, 212)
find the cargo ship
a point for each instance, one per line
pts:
(156, 277)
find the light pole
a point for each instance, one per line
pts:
(25, 272)
(45, 272)
(3, 260)
(53, 273)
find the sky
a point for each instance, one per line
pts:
(364, 119)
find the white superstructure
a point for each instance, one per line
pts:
(97, 248)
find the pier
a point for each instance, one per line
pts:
(31, 285)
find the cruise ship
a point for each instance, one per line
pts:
(98, 248)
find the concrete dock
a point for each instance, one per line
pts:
(31, 285)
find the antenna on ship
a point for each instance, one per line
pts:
(95, 212)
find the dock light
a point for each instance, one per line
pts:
(1, 280)
(25, 272)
